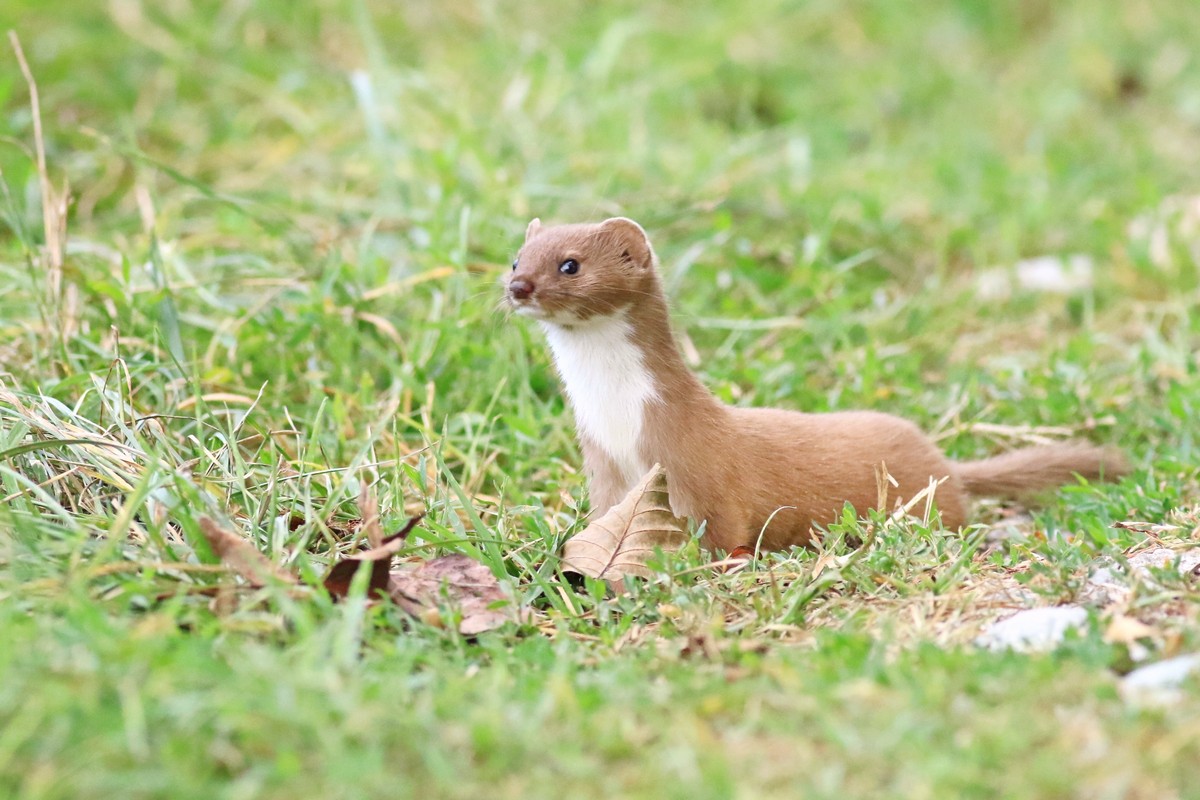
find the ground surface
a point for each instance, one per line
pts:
(285, 230)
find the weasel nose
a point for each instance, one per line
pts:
(520, 290)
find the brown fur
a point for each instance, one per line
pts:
(754, 473)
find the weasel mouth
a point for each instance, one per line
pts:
(526, 308)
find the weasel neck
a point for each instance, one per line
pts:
(678, 386)
(622, 372)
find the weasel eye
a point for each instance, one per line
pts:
(569, 267)
(515, 260)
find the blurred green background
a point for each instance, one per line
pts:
(968, 132)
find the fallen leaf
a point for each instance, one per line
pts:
(620, 542)
(1124, 630)
(459, 582)
(337, 582)
(237, 553)
(456, 581)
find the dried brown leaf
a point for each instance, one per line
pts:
(459, 582)
(337, 582)
(241, 556)
(620, 542)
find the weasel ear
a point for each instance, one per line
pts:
(534, 228)
(632, 238)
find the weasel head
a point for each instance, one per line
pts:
(570, 274)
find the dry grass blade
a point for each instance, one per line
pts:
(53, 207)
(241, 556)
(620, 542)
(74, 459)
(368, 510)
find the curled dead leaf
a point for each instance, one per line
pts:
(237, 553)
(460, 583)
(455, 582)
(337, 582)
(621, 541)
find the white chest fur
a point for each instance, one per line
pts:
(608, 384)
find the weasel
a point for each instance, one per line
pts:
(755, 476)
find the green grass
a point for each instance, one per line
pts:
(287, 225)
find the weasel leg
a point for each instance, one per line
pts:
(607, 486)
(726, 536)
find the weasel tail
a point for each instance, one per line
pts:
(1035, 469)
